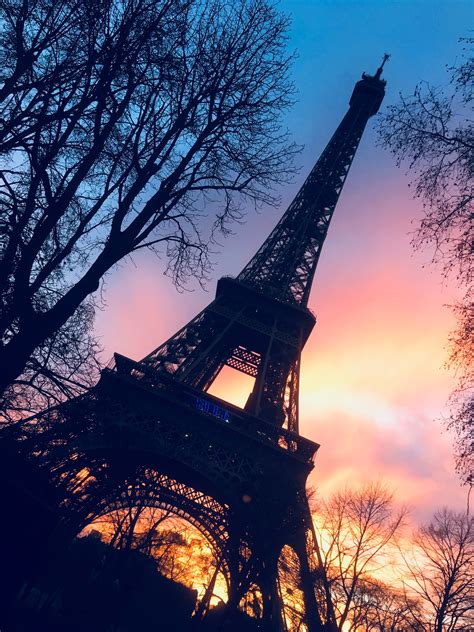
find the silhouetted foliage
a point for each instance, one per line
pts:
(158, 534)
(135, 522)
(378, 607)
(462, 416)
(121, 121)
(63, 366)
(441, 573)
(218, 619)
(433, 131)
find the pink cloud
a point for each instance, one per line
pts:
(412, 456)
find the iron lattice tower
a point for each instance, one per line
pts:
(238, 474)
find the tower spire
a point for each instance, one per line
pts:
(386, 57)
(284, 266)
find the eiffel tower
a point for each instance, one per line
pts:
(237, 474)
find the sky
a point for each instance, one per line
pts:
(374, 385)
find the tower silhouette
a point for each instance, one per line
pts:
(237, 474)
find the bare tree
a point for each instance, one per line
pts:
(121, 121)
(382, 608)
(440, 572)
(353, 530)
(136, 527)
(178, 551)
(462, 416)
(432, 130)
(63, 366)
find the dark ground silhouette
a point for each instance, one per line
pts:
(96, 588)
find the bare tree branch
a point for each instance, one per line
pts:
(433, 132)
(122, 124)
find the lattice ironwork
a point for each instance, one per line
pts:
(245, 361)
(285, 264)
(210, 517)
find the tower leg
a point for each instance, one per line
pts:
(239, 579)
(235, 579)
(272, 619)
(312, 616)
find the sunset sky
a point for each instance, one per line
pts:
(373, 384)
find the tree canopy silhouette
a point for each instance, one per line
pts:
(121, 120)
(433, 131)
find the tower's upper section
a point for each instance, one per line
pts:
(284, 266)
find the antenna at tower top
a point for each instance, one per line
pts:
(386, 57)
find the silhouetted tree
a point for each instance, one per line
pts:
(382, 608)
(432, 130)
(63, 366)
(462, 416)
(441, 572)
(133, 523)
(354, 530)
(121, 120)
(136, 527)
